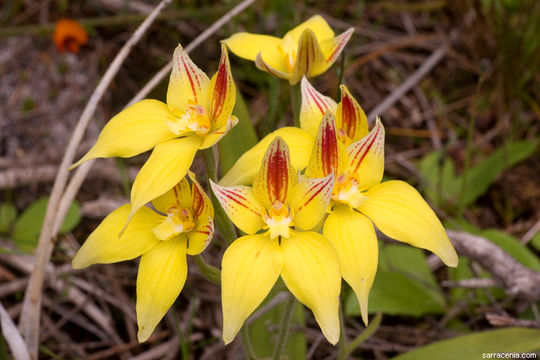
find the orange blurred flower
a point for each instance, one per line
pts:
(69, 35)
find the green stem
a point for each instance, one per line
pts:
(222, 220)
(212, 273)
(295, 103)
(341, 71)
(343, 338)
(284, 328)
(246, 343)
(364, 335)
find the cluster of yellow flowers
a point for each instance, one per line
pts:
(311, 228)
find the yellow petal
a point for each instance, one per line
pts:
(222, 92)
(247, 46)
(161, 277)
(215, 135)
(400, 212)
(241, 206)
(329, 154)
(166, 166)
(134, 130)
(188, 84)
(179, 195)
(311, 272)
(202, 205)
(309, 201)
(314, 105)
(333, 47)
(272, 66)
(354, 239)
(243, 172)
(250, 268)
(350, 118)
(200, 237)
(104, 246)
(276, 176)
(317, 24)
(309, 57)
(366, 158)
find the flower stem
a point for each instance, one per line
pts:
(295, 103)
(246, 343)
(343, 338)
(210, 272)
(284, 328)
(364, 335)
(222, 220)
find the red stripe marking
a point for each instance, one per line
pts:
(233, 196)
(348, 116)
(277, 173)
(220, 90)
(189, 77)
(316, 99)
(339, 46)
(323, 185)
(329, 149)
(361, 152)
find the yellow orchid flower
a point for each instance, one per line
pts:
(162, 241)
(359, 200)
(308, 49)
(306, 261)
(197, 114)
(351, 122)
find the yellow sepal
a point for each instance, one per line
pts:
(250, 268)
(311, 272)
(161, 277)
(133, 131)
(354, 239)
(400, 212)
(314, 106)
(104, 245)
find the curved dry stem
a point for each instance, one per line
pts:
(29, 321)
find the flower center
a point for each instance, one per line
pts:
(194, 119)
(346, 191)
(288, 51)
(178, 220)
(278, 219)
(344, 138)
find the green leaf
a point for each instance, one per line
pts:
(404, 285)
(8, 213)
(28, 225)
(444, 183)
(535, 241)
(478, 346)
(241, 138)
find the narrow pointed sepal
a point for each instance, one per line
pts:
(222, 92)
(200, 237)
(309, 201)
(166, 166)
(328, 155)
(314, 106)
(104, 245)
(161, 277)
(354, 239)
(311, 272)
(366, 158)
(309, 57)
(276, 176)
(332, 48)
(243, 172)
(351, 119)
(400, 212)
(250, 268)
(241, 206)
(188, 85)
(133, 131)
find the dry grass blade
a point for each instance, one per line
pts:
(29, 321)
(12, 336)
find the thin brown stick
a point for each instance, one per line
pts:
(29, 321)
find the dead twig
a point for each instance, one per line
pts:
(516, 278)
(12, 336)
(29, 321)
